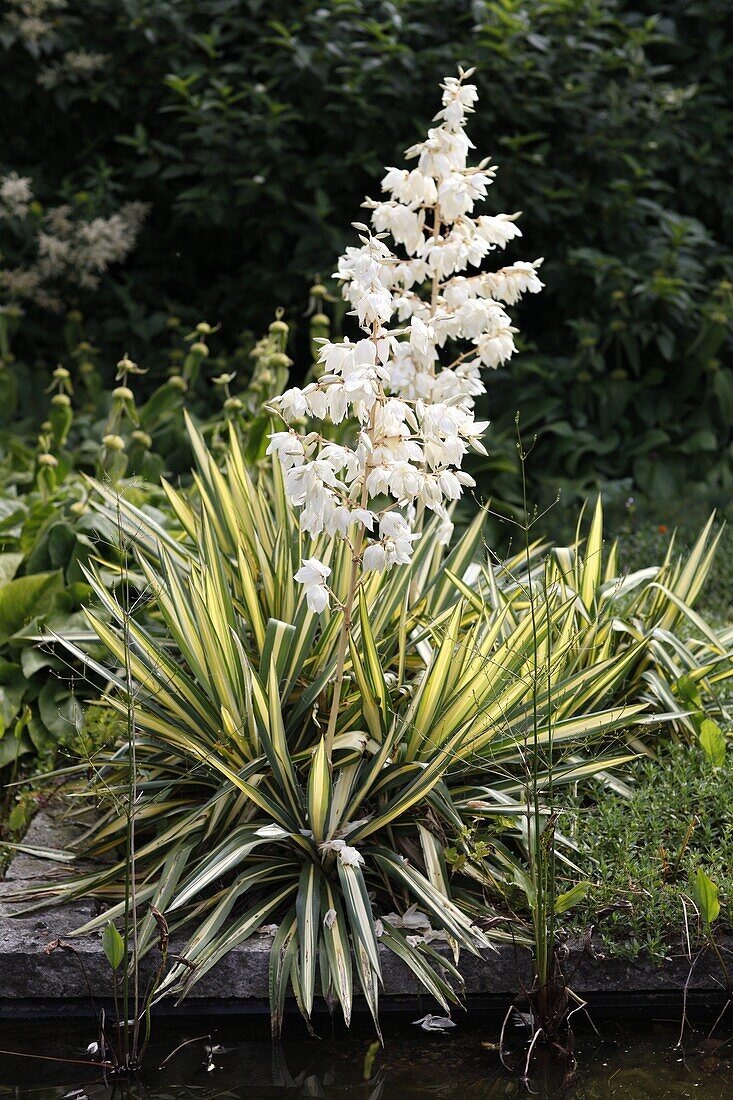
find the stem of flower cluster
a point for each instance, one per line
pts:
(435, 289)
(348, 609)
(436, 282)
(343, 645)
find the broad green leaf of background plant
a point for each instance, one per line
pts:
(705, 893)
(571, 897)
(713, 742)
(113, 945)
(26, 598)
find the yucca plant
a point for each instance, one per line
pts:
(610, 612)
(240, 820)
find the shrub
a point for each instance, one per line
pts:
(238, 817)
(229, 121)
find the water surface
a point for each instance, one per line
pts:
(635, 1060)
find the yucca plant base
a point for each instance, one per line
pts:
(35, 982)
(32, 977)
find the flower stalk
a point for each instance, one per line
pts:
(414, 416)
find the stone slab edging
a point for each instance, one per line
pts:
(33, 981)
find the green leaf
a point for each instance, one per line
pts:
(688, 690)
(9, 564)
(593, 560)
(705, 893)
(571, 897)
(308, 908)
(712, 742)
(282, 955)
(373, 665)
(319, 792)
(114, 946)
(359, 909)
(26, 598)
(338, 949)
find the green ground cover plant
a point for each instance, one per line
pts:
(644, 847)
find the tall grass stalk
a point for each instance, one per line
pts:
(130, 1048)
(548, 996)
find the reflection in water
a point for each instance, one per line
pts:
(630, 1062)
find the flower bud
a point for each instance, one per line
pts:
(177, 383)
(78, 508)
(278, 328)
(122, 393)
(47, 459)
(233, 404)
(143, 439)
(278, 360)
(60, 418)
(199, 348)
(61, 374)
(114, 442)
(126, 364)
(204, 329)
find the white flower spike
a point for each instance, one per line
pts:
(415, 285)
(411, 300)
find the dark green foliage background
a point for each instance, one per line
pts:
(255, 127)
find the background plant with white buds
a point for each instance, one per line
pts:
(415, 414)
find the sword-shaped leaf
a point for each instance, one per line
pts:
(308, 909)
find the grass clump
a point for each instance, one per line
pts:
(643, 851)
